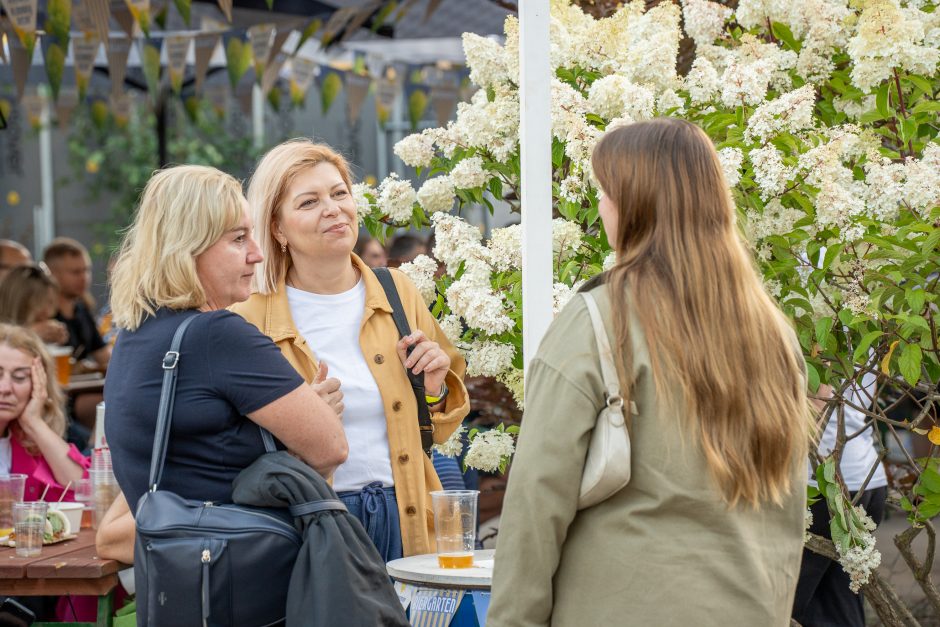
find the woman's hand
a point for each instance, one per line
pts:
(51, 331)
(329, 389)
(428, 357)
(32, 413)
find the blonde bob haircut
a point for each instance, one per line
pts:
(183, 211)
(23, 339)
(266, 190)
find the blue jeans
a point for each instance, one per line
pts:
(377, 509)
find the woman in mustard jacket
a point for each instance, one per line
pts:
(322, 305)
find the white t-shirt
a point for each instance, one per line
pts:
(6, 454)
(331, 323)
(859, 454)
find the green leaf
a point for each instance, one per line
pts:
(926, 106)
(782, 32)
(831, 253)
(908, 129)
(823, 329)
(921, 83)
(881, 101)
(931, 242)
(558, 153)
(812, 376)
(865, 344)
(916, 298)
(909, 363)
(930, 479)
(829, 470)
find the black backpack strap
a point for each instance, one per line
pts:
(161, 438)
(425, 425)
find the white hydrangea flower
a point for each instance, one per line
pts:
(792, 112)
(416, 150)
(421, 271)
(807, 523)
(452, 328)
(862, 558)
(778, 60)
(614, 96)
(561, 294)
(566, 236)
(886, 187)
(484, 124)
(453, 446)
(455, 240)
(745, 83)
(654, 45)
(731, 159)
(488, 450)
(363, 204)
(489, 359)
(770, 173)
(702, 81)
(469, 173)
(922, 191)
(397, 198)
(472, 297)
(668, 101)
(572, 188)
(511, 47)
(775, 219)
(751, 13)
(610, 260)
(704, 21)
(887, 38)
(513, 380)
(486, 60)
(505, 247)
(437, 194)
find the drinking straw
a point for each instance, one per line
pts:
(43, 497)
(62, 496)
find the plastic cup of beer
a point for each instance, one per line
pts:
(62, 355)
(12, 488)
(455, 526)
(29, 522)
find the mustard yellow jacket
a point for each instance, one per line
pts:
(412, 470)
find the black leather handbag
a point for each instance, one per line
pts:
(201, 563)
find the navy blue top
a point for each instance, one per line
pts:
(227, 369)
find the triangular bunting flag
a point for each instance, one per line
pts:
(205, 46)
(272, 72)
(331, 83)
(217, 95)
(260, 36)
(33, 104)
(84, 53)
(357, 88)
(386, 90)
(237, 55)
(140, 9)
(117, 62)
(68, 100)
(443, 101)
(100, 12)
(302, 71)
(226, 6)
(121, 107)
(177, 49)
(22, 17)
(150, 62)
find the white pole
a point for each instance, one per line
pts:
(46, 222)
(536, 144)
(257, 116)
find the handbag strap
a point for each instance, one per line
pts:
(613, 399)
(161, 438)
(425, 426)
(312, 507)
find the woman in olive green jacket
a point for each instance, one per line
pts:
(709, 529)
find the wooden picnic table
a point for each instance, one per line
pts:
(67, 568)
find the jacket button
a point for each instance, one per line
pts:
(396, 405)
(379, 359)
(411, 510)
(403, 459)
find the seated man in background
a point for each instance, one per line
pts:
(404, 248)
(70, 266)
(12, 254)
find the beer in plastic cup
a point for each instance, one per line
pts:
(62, 355)
(29, 521)
(11, 491)
(455, 526)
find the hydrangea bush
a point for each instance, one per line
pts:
(825, 117)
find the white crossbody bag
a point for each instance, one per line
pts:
(607, 467)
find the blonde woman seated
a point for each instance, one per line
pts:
(28, 297)
(322, 305)
(32, 423)
(709, 530)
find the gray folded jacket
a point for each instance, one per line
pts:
(339, 577)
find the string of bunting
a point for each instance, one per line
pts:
(82, 26)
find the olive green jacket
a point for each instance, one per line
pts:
(663, 551)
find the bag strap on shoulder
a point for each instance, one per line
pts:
(161, 438)
(614, 399)
(425, 425)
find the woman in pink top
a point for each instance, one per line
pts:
(32, 423)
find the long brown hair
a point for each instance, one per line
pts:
(714, 334)
(53, 415)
